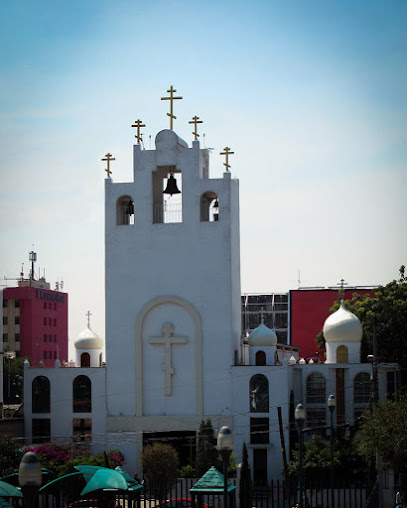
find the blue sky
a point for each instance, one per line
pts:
(311, 97)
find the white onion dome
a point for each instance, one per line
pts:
(262, 336)
(342, 326)
(88, 340)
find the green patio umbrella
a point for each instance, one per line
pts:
(7, 490)
(59, 482)
(103, 479)
(5, 504)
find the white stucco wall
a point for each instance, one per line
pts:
(61, 414)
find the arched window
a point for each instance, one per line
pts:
(260, 358)
(41, 395)
(209, 207)
(342, 354)
(316, 388)
(125, 211)
(85, 360)
(361, 388)
(82, 395)
(259, 394)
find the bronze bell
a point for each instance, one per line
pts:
(171, 186)
(130, 207)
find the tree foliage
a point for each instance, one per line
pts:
(349, 462)
(160, 467)
(245, 480)
(206, 453)
(386, 429)
(10, 455)
(13, 372)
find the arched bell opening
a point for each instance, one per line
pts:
(209, 207)
(125, 211)
(167, 195)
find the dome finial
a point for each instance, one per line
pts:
(262, 315)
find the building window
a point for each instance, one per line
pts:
(16, 304)
(45, 355)
(316, 419)
(259, 430)
(55, 306)
(125, 211)
(82, 429)
(49, 322)
(5, 337)
(342, 354)
(259, 394)
(41, 430)
(41, 395)
(260, 358)
(45, 305)
(17, 320)
(260, 467)
(82, 395)
(5, 320)
(45, 321)
(55, 355)
(85, 360)
(45, 337)
(361, 388)
(5, 304)
(316, 388)
(209, 207)
(17, 337)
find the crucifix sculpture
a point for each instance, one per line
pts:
(108, 159)
(167, 340)
(171, 98)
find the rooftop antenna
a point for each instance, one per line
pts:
(22, 271)
(33, 258)
(299, 279)
(62, 283)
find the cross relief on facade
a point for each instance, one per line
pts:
(167, 340)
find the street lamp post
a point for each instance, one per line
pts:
(300, 419)
(332, 405)
(225, 447)
(30, 478)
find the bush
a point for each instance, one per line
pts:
(160, 467)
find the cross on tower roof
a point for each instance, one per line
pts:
(195, 120)
(108, 159)
(171, 98)
(227, 152)
(88, 314)
(138, 136)
(342, 289)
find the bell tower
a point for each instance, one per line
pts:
(172, 275)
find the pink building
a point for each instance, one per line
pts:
(35, 322)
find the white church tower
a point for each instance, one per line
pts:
(172, 290)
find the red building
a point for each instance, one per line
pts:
(35, 322)
(308, 310)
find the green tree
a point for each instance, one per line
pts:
(206, 453)
(13, 372)
(245, 482)
(10, 455)
(349, 463)
(385, 429)
(160, 467)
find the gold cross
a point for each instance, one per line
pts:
(195, 120)
(227, 152)
(108, 159)
(171, 98)
(138, 136)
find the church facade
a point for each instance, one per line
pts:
(175, 354)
